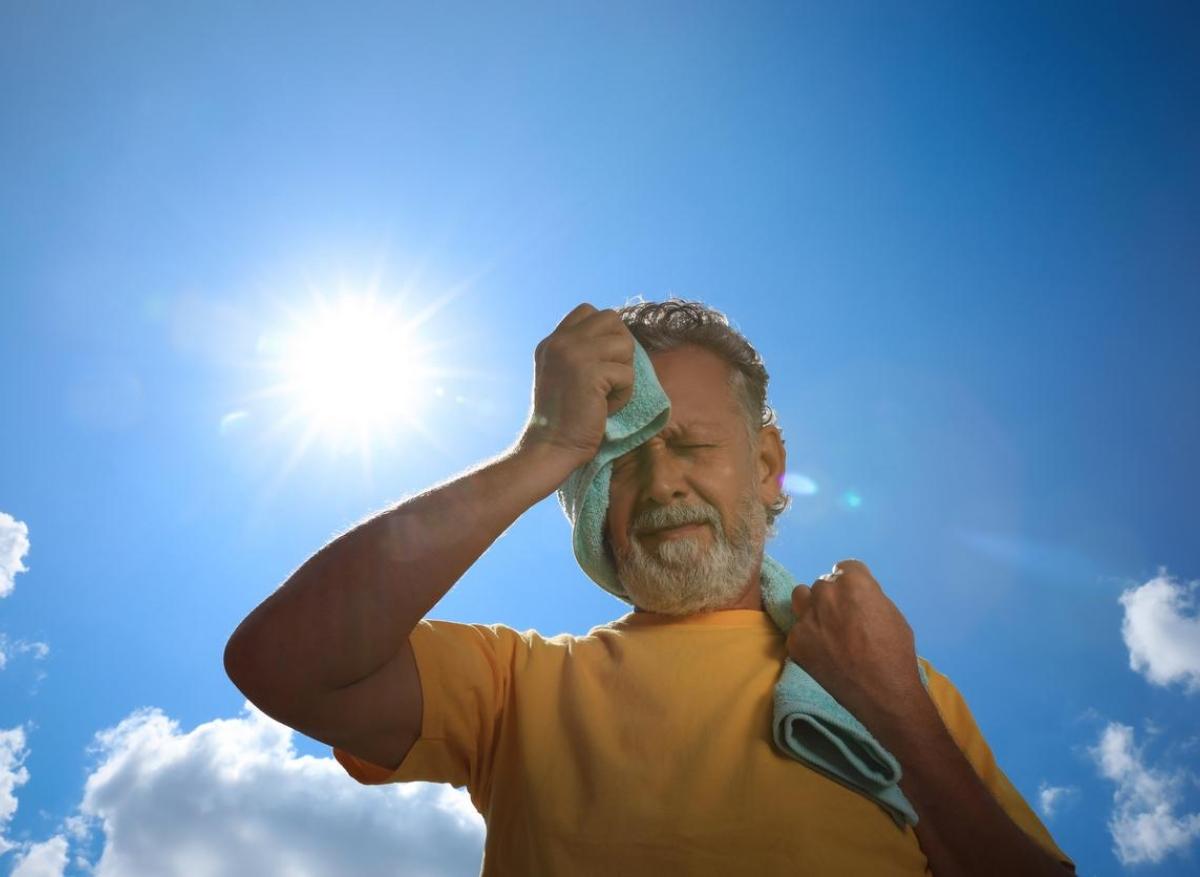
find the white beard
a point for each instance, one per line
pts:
(685, 575)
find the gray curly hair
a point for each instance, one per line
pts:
(665, 325)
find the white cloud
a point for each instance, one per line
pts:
(45, 859)
(1052, 798)
(14, 545)
(1162, 631)
(1144, 825)
(39, 649)
(232, 797)
(12, 775)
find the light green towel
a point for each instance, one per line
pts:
(808, 725)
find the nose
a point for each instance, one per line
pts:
(661, 474)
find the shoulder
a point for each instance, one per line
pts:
(943, 692)
(959, 721)
(494, 637)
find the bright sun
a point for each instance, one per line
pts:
(351, 371)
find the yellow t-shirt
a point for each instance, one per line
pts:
(645, 748)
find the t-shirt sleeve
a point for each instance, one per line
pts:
(962, 727)
(466, 678)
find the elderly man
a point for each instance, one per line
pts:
(644, 747)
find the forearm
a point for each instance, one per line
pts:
(962, 829)
(346, 611)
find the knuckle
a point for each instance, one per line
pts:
(557, 346)
(854, 567)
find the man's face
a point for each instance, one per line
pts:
(700, 472)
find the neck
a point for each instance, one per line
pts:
(751, 597)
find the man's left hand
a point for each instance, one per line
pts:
(854, 641)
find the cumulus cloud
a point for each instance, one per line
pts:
(45, 859)
(12, 775)
(1162, 631)
(14, 545)
(1144, 825)
(1051, 799)
(232, 797)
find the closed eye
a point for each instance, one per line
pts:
(628, 459)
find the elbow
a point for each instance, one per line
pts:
(238, 664)
(247, 671)
(231, 662)
(239, 667)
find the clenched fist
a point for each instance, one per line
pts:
(583, 372)
(854, 641)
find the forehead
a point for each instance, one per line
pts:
(697, 382)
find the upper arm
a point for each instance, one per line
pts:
(378, 718)
(461, 675)
(970, 740)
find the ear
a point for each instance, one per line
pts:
(770, 459)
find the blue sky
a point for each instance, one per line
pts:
(963, 237)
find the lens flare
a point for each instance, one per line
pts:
(799, 484)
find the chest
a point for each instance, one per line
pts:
(679, 759)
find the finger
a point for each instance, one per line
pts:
(856, 571)
(849, 564)
(619, 378)
(602, 322)
(613, 348)
(820, 583)
(582, 342)
(577, 315)
(801, 595)
(587, 350)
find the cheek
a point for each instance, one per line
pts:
(620, 502)
(722, 481)
(727, 491)
(616, 525)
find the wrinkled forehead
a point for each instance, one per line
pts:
(699, 385)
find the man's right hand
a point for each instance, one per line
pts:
(583, 372)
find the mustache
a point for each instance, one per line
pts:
(676, 516)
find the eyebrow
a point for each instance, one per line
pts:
(692, 426)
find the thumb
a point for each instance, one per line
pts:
(619, 398)
(801, 594)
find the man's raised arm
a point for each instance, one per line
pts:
(327, 653)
